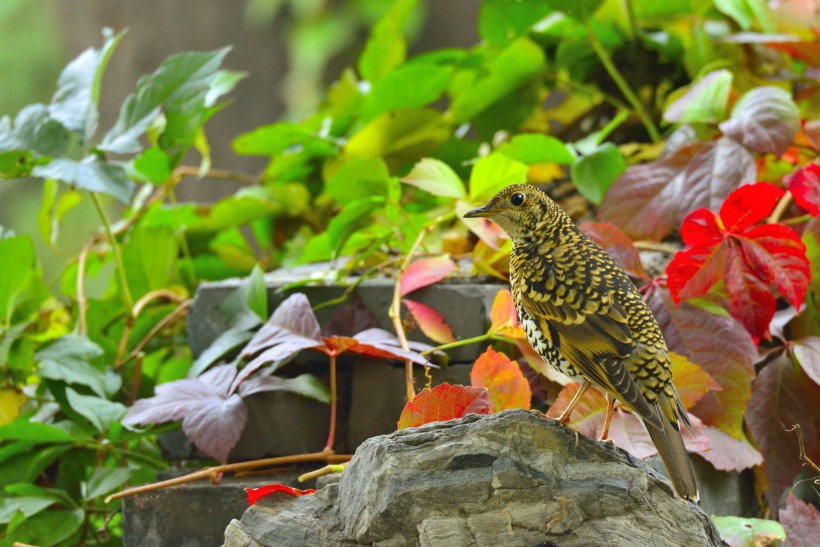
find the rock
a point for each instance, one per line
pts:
(512, 478)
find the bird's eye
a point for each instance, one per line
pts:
(517, 199)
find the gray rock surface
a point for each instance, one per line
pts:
(510, 479)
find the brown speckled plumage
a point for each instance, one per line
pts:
(583, 315)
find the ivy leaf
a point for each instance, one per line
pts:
(533, 148)
(720, 346)
(180, 84)
(352, 217)
(75, 103)
(255, 494)
(213, 417)
(644, 200)
(21, 287)
(408, 86)
(436, 177)
(617, 244)
(726, 453)
(748, 258)
(105, 479)
(431, 322)
(425, 272)
(100, 412)
(505, 383)
(691, 381)
(748, 532)
(359, 178)
(765, 119)
(704, 102)
(806, 353)
(68, 360)
(305, 385)
(89, 174)
(444, 402)
(35, 130)
(501, 21)
(804, 184)
(800, 521)
(150, 259)
(386, 48)
(594, 173)
(716, 170)
(782, 396)
(376, 343)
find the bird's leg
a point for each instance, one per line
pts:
(610, 406)
(564, 417)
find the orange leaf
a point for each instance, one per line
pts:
(255, 494)
(692, 382)
(505, 318)
(588, 416)
(431, 323)
(424, 272)
(444, 402)
(503, 379)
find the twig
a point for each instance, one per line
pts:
(326, 470)
(331, 436)
(395, 304)
(655, 246)
(115, 248)
(803, 456)
(781, 207)
(224, 174)
(178, 312)
(82, 302)
(211, 472)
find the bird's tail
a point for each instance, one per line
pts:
(672, 451)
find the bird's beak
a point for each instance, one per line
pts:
(482, 211)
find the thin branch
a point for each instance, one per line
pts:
(803, 456)
(178, 312)
(115, 248)
(82, 302)
(158, 294)
(780, 209)
(326, 470)
(224, 174)
(212, 472)
(655, 246)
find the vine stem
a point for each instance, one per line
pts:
(620, 81)
(395, 305)
(331, 436)
(82, 301)
(214, 473)
(458, 343)
(780, 208)
(115, 248)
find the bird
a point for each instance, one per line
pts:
(583, 315)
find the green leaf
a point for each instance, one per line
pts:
(154, 164)
(20, 284)
(577, 9)
(748, 532)
(277, 138)
(28, 505)
(100, 412)
(257, 293)
(595, 173)
(223, 83)
(704, 101)
(226, 342)
(436, 177)
(516, 65)
(35, 130)
(105, 479)
(501, 21)
(89, 174)
(54, 208)
(34, 432)
(305, 385)
(532, 148)
(68, 360)
(746, 12)
(357, 179)
(150, 259)
(492, 173)
(351, 218)
(180, 84)
(408, 86)
(78, 89)
(254, 202)
(46, 528)
(32, 490)
(15, 164)
(385, 48)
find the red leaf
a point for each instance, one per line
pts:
(503, 379)
(778, 255)
(719, 345)
(444, 402)
(617, 244)
(504, 317)
(804, 184)
(431, 322)
(643, 201)
(255, 494)
(801, 521)
(424, 272)
(692, 382)
(376, 343)
(748, 205)
(727, 453)
(716, 170)
(782, 395)
(750, 300)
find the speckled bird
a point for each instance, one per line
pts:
(583, 315)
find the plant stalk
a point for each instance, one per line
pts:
(115, 248)
(331, 436)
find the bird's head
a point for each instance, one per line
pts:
(521, 210)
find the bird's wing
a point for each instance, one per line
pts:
(595, 338)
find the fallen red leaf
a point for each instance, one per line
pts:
(748, 258)
(804, 184)
(255, 494)
(431, 322)
(506, 384)
(424, 272)
(444, 402)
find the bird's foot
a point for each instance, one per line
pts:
(538, 413)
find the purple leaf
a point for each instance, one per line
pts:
(376, 337)
(351, 317)
(306, 385)
(801, 521)
(716, 170)
(765, 119)
(216, 424)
